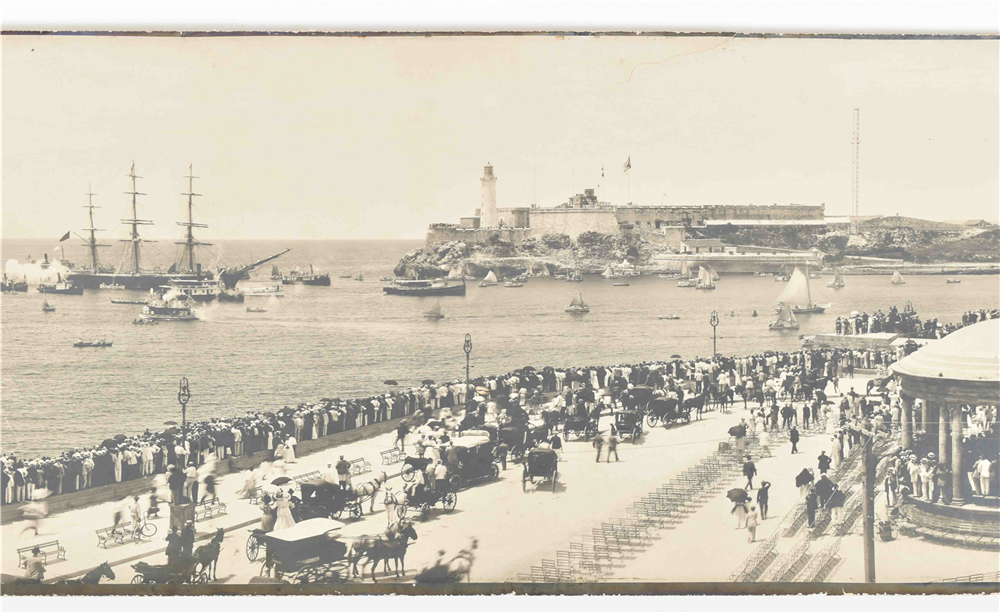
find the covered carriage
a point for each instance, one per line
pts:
(542, 464)
(666, 411)
(324, 499)
(181, 571)
(629, 424)
(581, 425)
(311, 551)
(476, 461)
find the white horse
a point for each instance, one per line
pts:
(392, 501)
(371, 489)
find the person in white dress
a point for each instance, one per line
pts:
(289, 455)
(284, 518)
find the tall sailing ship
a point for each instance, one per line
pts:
(798, 295)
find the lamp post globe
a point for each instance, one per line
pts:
(714, 320)
(468, 350)
(183, 396)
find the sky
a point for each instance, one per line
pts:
(351, 137)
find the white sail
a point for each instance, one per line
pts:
(704, 277)
(896, 277)
(711, 271)
(528, 272)
(453, 273)
(685, 269)
(490, 277)
(797, 290)
(436, 309)
(837, 279)
(786, 316)
(607, 272)
(578, 301)
(545, 271)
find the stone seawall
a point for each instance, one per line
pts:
(118, 491)
(439, 235)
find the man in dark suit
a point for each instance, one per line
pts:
(749, 471)
(793, 436)
(762, 497)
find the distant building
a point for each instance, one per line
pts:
(702, 245)
(971, 223)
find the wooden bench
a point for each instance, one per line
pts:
(209, 509)
(309, 476)
(118, 534)
(52, 548)
(360, 465)
(256, 494)
(392, 456)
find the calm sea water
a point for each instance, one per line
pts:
(346, 339)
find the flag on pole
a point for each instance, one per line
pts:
(628, 164)
(64, 238)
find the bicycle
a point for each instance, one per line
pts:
(143, 529)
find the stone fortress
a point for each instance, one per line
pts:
(668, 225)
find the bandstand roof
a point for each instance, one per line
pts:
(964, 365)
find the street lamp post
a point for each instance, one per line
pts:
(468, 350)
(183, 396)
(714, 320)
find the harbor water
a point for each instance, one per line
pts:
(345, 340)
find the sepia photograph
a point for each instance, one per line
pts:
(258, 338)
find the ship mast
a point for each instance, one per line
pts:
(92, 243)
(135, 222)
(808, 287)
(190, 243)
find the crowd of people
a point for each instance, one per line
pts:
(907, 323)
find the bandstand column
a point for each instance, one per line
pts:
(906, 421)
(942, 410)
(958, 476)
(924, 412)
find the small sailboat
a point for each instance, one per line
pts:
(799, 294)
(685, 270)
(608, 272)
(489, 280)
(897, 279)
(275, 273)
(360, 277)
(455, 273)
(578, 305)
(838, 281)
(48, 308)
(786, 319)
(705, 279)
(435, 311)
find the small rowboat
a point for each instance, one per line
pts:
(256, 310)
(513, 284)
(671, 316)
(953, 281)
(622, 284)
(92, 344)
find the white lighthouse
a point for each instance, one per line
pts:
(488, 212)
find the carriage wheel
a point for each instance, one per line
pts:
(201, 578)
(455, 482)
(494, 472)
(148, 529)
(318, 574)
(636, 434)
(524, 481)
(449, 501)
(253, 548)
(687, 417)
(408, 473)
(356, 511)
(139, 580)
(425, 511)
(652, 420)
(516, 453)
(555, 476)
(336, 514)
(590, 431)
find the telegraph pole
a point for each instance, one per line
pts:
(868, 463)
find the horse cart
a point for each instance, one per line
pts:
(577, 426)
(521, 437)
(541, 464)
(324, 499)
(476, 461)
(629, 424)
(666, 411)
(413, 465)
(423, 498)
(182, 571)
(311, 551)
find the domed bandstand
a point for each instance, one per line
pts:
(950, 391)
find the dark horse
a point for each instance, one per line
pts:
(391, 545)
(93, 576)
(695, 402)
(207, 556)
(877, 383)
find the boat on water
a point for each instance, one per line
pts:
(753, 313)
(435, 311)
(706, 280)
(175, 309)
(48, 308)
(574, 277)
(897, 279)
(953, 281)
(311, 278)
(264, 292)
(346, 277)
(128, 301)
(513, 284)
(425, 287)
(814, 275)
(687, 283)
(256, 310)
(384, 278)
(199, 290)
(111, 286)
(577, 305)
(100, 343)
(609, 273)
(275, 273)
(786, 319)
(838, 281)
(671, 316)
(11, 286)
(61, 287)
(360, 277)
(798, 293)
(139, 321)
(621, 284)
(489, 280)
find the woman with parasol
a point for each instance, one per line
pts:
(740, 499)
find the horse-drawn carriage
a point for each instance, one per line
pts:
(476, 461)
(422, 499)
(666, 411)
(642, 395)
(310, 551)
(412, 465)
(183, 570)
(629, 424)
(324, 499)
(581, 425)
(520, 437)
(541, 464)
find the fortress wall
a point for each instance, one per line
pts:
(573, 221)
(440, 234)
(647, 216)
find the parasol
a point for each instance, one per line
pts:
(170, 423)
(281, 480)
(120, 437)
(803, 478)
(483, 391)
(390, 382)
(737, 495)
(108, 443)
(427, 382)
(738, 431)
(531, 368)
(675, 357)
